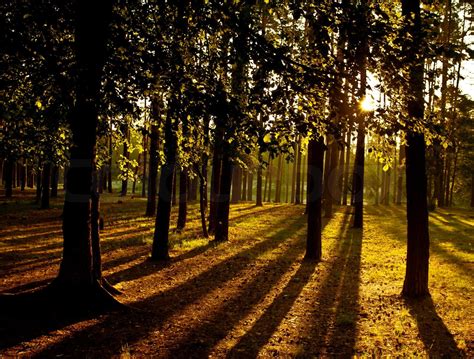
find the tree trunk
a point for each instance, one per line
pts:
(345, 186)
(416, 276)
(77, 271)
(244, 185)
(215, 180)
(293, 178)
(314, 193)
(203, 195)
(298, 174)
(259, 201)
(126, 155)
(250, 187)
(183, 200)
(160, 246)
(46, 184)
(330, 177)
(153, 169)
(109, 167)
(278, 180)
(38, 185)
(22, 175)
(8, 171)
(54, 181)
(401, 159)
(472, 190)
(223, 200)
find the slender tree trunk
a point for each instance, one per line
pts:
(244, 185)
(259, 180)
(250, 187)
(54, 181)
(153, 169)
(8, 171)
(298, 175)
(183, 200)
(293, 178)
(278, 180)
(453, 179)
(126, 155)
(401, 159)
(46, 181)
(109, 169)
(314, 193)
(345, 187)
(22, 175)
(203, 195)
(446, 180)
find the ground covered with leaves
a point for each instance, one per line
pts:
(252, 296)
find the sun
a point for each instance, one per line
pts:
(367, 104)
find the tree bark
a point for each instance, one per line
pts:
(160, 247)
(416, 276)
(8, 173)
(298, 174)
(183, 200)
(259, 201)
(278, 180)
(401, 159)
(223, 200)
(215, 179)
(126, 155)
(46, 184)
(314, 193)
(77, 270)
(153, 169)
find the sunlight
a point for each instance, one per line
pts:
(367, 104)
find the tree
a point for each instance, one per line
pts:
(416, 276)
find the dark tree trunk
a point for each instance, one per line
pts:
(215, 180)
(46, 181)
(54, 181)
(8, 173)
(278, 180)
(183, 200)
(77, 271)
(259, 201)
(298, 174)
(203, 195)
(38, 186)
(345, 186)
(358, 186)
(160, 246)
(223, 200)
(386, 198)
(244, 185)
(314, 193)
(109, 167)
(250, 187)
(153, 170)
(236, 184)
(416, 277)
(330, 177)
(23, 175)
(401, 159)
(126, 155)
(293, 177)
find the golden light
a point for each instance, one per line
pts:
(367, 104)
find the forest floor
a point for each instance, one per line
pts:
(252, 296)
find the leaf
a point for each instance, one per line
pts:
(386, 167)
(38, 104)
(267, 138)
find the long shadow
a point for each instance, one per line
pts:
(437, 339)
(255, 338)
(333, 329)
(117, 326)
(199, 341)
(434, 240)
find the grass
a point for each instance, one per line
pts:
(253, 296)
